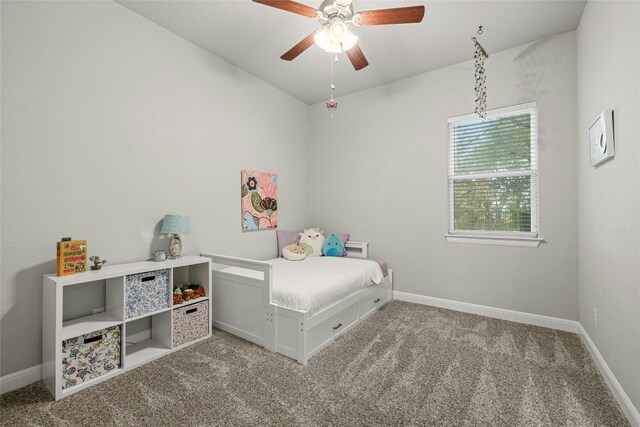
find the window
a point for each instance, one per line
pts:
(493, 177)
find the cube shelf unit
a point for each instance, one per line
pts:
(90, 302)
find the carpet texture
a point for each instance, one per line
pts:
(407, 364)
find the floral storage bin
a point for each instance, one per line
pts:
(190, 323)
(147, 292)
(90, 356)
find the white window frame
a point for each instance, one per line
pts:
(508, 238)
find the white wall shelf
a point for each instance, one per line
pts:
(68, 314)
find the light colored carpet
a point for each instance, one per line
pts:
(406, 365)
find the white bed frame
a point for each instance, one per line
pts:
(241, 304)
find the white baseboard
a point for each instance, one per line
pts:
(20, 379)
(538, 320)
(616, 389)
(497, 313)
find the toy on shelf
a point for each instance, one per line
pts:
(184, 292)
(97, 262)
(177, 299)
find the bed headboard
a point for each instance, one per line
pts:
(357, 249)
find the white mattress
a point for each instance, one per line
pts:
(318, 282)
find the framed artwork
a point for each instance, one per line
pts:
(601, 144)
(259, 200)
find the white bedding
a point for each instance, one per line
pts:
(318, 282)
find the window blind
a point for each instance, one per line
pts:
(493, 172)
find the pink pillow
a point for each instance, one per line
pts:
(342, 236)
(286, 238)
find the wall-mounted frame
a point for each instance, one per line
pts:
(259, 200)
(601, 144)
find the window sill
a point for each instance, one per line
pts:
(529, 242)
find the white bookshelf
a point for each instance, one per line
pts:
(96, 300)
(194, 301)
(84, 325)
(145, 351)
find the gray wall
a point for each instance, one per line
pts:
(379, 171)
(609, 195)
(109, 122)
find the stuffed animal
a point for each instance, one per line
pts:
(294, 253)
(333, 246)
(311, 241)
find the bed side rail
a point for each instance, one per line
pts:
(230, 261)
(266, 309)
(249, 264)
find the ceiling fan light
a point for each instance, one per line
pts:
(349, 41)
(337, 32)
(325, 42)
(322, 40)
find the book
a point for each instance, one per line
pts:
(71, 257)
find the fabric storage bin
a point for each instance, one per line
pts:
(147, 292)
(90, 356)
(190, 323)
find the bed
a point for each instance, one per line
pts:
(295, 308)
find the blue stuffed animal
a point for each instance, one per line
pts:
(333, 246)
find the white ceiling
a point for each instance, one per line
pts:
(253, 36)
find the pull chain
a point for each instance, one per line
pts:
(332, 104)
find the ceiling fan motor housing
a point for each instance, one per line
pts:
(331, 11)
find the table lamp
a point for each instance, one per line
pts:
(175, 225)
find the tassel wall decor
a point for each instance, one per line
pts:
(480, 77)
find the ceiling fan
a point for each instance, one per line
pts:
(335, 16)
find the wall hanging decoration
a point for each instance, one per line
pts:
(481, 88)
(601, 143)
(259, 200)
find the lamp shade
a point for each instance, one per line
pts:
(175, 224)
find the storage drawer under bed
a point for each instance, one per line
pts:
(331, 327)
(373, 301)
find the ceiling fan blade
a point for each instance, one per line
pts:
(290, 6)
(304, 44)
(400, 15)
(357, 58)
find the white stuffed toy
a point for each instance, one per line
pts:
(293, 253)
(311, 241)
